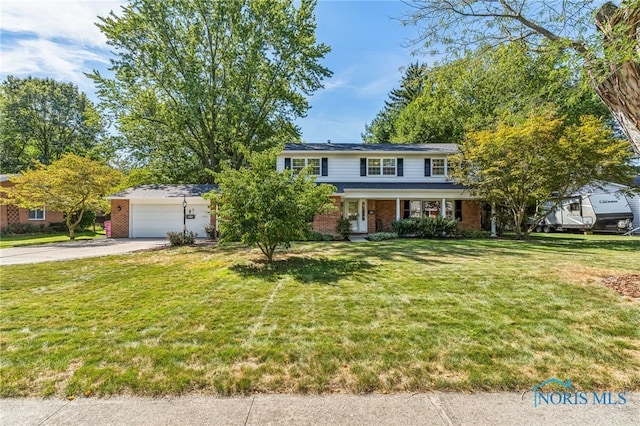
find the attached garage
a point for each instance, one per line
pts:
(150, 211)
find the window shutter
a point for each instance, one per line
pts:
(458, 210)
(363, 167)
(400, 167)
(325, 166)
(287, 163)
(427, 166)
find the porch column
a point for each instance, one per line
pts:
(397, 208)
(443, 208)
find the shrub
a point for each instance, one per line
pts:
(22, 228)
(317, 236)
(436, 227)
(58, 227)
(211, 231)
(381, 236)
(343, 228)
(181, 238)
(405, 227)
(474, 233)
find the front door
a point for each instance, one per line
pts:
(356, 212)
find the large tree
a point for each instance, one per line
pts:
(267, 208)
(42, 119)
(204, 81)
(71, 184)
(473, 92)
(610, 57)
(525, 162)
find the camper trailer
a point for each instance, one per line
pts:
(590, 209)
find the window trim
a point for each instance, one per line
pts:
(35, 211)
(296, 169)
(444, 166)
(381, 166)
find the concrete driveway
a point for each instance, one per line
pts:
(77, 250)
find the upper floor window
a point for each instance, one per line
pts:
(435, 167)
(36, 214)
(381, 166)
(319, 166)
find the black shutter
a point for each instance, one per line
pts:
(363, 167)
(287, 163)
(400, 167)
(325, 166)
(427, 166)
(406, 209)
(458, 210)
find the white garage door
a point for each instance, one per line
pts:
(155, 220)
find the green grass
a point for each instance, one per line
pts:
(393, 316)
(7, 241)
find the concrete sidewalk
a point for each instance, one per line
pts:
(437, 408)
(77, 249)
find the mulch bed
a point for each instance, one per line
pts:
(626, 285)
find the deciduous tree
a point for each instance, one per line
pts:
(72, 185)
(610, 56)
(42, 119)
(267, 208)
(204, 81)
(524, 163)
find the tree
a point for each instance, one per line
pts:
(524, 163)
(267, 208)
(382, 128)
(610, 59)
(204, 81)
(72, 185)
(462, 95)
(43, 119)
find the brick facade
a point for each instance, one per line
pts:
(471, 215)
(119, 218)
(326, 223)
(12, 215)
(385, 211)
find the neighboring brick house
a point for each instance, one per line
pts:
(379, 183)
(11, 215)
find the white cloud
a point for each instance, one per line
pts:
(71, 20)
(54, 38)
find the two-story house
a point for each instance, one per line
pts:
(379, 183)
(376, 184)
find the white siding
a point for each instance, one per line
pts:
(346, 167)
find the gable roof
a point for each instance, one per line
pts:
(435, 148)
(164, 191)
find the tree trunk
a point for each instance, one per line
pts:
(620, 90)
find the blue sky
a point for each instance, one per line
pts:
(58, 39)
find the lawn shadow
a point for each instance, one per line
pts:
(306, 270)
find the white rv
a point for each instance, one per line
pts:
(603, 209)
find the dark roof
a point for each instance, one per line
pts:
(374, 147)
(636, 180)
(165, 191)
(395, 185)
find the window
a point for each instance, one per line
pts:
(438, 167)
(381, 166)
(36, 214)
(297, 164)
(574, 207)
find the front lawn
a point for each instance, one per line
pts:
(394, 316)
(7, 241)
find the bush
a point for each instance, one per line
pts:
(343, 228)
(211, 231)
(317, 236)
(381, 236)
(474, 233)
(436, 227)
(405, 227)
(22, 228)
(182, 239)
(58, 227)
